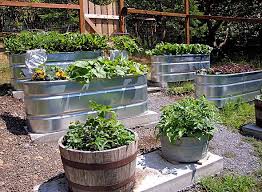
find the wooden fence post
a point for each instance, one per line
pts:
(81, 16)
(121, 18)
(187, 22)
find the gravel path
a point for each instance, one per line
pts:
(24, 165)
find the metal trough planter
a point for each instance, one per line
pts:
(177, 68)
(222, 88)
(62, 60)
(52, 105)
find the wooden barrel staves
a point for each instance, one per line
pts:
(109, 170)
(258, 107)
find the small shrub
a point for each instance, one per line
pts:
(188, 118)
(100, 132)
(125, 43)
(235, 114)
(183, 88)
(229, 183)
(178, 49)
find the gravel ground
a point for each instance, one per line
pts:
(24, 165)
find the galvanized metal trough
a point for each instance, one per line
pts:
(177, 68)
(52, 105)
(222, 88)
(62, 60)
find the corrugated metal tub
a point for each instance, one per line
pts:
(222, 88)
(52, 105)
(177, 68)
(62, 60)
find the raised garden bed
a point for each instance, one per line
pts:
(221, 88)
(177, 63)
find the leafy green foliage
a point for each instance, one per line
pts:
(188, 118)
(54, 42)
(99, 132)
(182, 88)
(229, 183)
(235, 114)
(178, 49)
(84, 71)
(125, 43)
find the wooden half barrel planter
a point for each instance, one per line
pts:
(258, 108)
(62, 60)
(109, 170)
(167, 69)
(225, 87)
(52, 105)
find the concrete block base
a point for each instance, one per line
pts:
(155, 174)
(253, 130)
(149, 118)
(18, 94)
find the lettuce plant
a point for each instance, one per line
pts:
(179, 49)
(125, 43)
(188, 118)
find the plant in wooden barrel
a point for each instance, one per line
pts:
(258, 107)
(99, 154)
(177, 62)
(185, 129)
(62, 50)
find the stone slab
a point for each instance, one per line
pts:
(153, 89)
(149, 118)
(253, 130)
(18, 94)
(155, 174)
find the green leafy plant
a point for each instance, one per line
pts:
(237, 113)
(182, 88)
(100, 132)
(101, 68)
(232, 183)
(125, 43)
(188, 118)
(54, 42)
(48, 73)
(179, 49)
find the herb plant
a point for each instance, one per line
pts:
(179, 49)
(181, 88)
(125, 43)
(99, 132)
(54, 42)
(101, 68)
(188, 118)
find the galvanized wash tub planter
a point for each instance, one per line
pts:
(52, 105)
(186, 149)
(222, 88)
(177, 68)
(17, 62)
(258, 107)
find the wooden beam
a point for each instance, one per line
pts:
(122, 18)
(92, 25)
(81, 17)
(226, 18)
(39, 5)
(187, 22)
(96, 16)
(155, 13)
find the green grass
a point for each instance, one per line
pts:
(230, 183)
(257, 144)
(235, 114)
(182, 88)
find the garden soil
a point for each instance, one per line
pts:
(24, 165)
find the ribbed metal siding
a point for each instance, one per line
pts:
(222, 88)
(52, 105)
